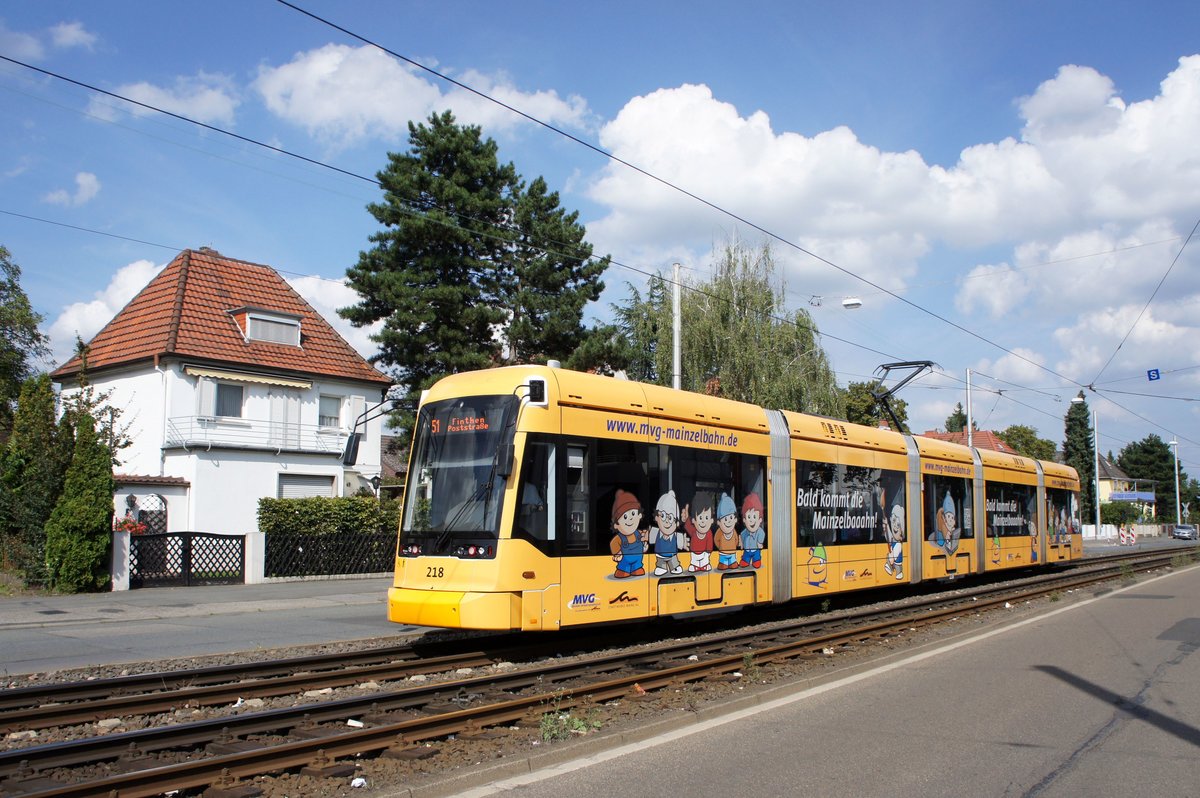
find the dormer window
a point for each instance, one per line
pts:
(275, 331)
(258, 324)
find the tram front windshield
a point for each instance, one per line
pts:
(457, 479)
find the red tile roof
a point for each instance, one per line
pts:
(981, 439)
(184, 312)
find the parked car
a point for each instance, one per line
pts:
(1184, 532)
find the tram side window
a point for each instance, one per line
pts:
(815, 483)
(947, 510)
(862, 505)
(1010, 509)
(578, 488)
(618, 465)
(1062, 515)
(848, 504)
(533, 513)
(697, 485)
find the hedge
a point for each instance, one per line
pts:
(322, 515)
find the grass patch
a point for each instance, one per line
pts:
(559, 724)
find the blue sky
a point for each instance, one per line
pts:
(1027, 172)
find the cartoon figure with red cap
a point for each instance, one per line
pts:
(753, 534)
(628, 543)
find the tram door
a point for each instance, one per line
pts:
(603, 571)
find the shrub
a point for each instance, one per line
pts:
(79, 530)
(322, 515)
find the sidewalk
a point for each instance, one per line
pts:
(94, 629)
(176, 602)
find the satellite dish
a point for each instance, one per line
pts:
(851, 302)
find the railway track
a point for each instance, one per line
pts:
(317, 737)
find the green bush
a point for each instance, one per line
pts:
(32, 469)
(322, 515)
(80, 527)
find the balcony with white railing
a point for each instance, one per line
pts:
(208, 432)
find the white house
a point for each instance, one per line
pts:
(232, 388)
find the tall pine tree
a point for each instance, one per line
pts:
(471, 268)
(1079, 453)
(554, 277)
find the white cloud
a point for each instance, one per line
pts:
(87, 186)
(1021, 366)
(72, 34)
(207, 97)
(85, 319)
(1078, 102)
(1094, 337)
(327, 296)
(341, 94)
(20, 45)
(1090, 173)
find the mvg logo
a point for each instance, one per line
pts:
(584, 601)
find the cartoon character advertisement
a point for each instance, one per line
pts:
(1011, 512)
(947, 516)
(840, 504)
(710, 524)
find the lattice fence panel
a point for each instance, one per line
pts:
(330, 554)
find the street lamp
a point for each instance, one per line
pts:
(1078, 400)
(1175, 446)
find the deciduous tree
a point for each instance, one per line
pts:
(1151, 458)
(1024, 440)
(737, 338)
(22, 345)
(31, 478)
(862, 407)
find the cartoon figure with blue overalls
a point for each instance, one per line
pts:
(753, 534)
(628, 543)
(725, 538)
(664, 536)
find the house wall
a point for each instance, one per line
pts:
(237, 464)
(227, 484)
(176, 497)
(139, 397)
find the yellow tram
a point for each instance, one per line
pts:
(540, 498)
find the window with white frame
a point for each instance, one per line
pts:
(228, 400)
(275, 330)
(329, 413)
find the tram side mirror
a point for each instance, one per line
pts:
(537, 392)
(350, 455)
(504, 459)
